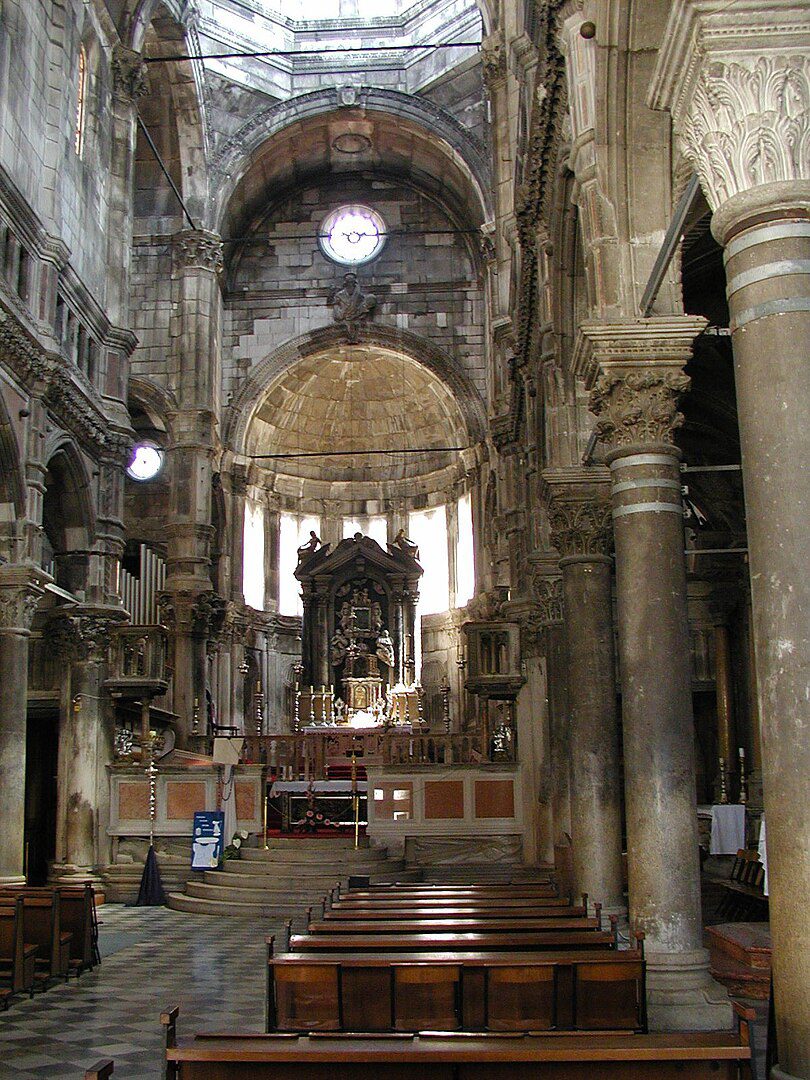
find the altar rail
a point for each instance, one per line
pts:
(306, 756)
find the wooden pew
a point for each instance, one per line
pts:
(472, 991)
(17, 958)
(402, 1056)
(744, 893)
(416, 925)
(78, 917)
(43, 927)
(453, 911)
(102, 1070)
(435, 892)
(586, 938)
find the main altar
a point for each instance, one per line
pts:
(359, 634)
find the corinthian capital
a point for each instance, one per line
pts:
(638, 406)
(736, 78)
(83, 637)
(130, 78)
(20, 591)
(197, 249)
(579, 512)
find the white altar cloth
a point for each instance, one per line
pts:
(763, 854)
(728, 829)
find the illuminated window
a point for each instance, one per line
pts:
(81, 102)
(465, 553)
(293, 533)
(146, 461)
(428, 529)
(253, 556)
(352, 235)
(376, 527)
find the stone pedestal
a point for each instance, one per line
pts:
(20, 590)
(635, 398)
(581, 530)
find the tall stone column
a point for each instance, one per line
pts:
(20, 590)
(737, 83)
(579, 514)
(195, 370)
(82, 638)
(641, 364)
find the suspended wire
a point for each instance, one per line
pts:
(258, 55)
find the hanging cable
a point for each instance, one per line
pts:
(166, 173)
(258, 55)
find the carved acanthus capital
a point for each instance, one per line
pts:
(82, 638)
(749, 124)
(19, 597)
(547, 594)
(197, 249)
(581, 528)
(638, 406)
(736, 79)
(129, 72)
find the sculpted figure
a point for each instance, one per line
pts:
(402, 542)
(350, 305)
(311, 545)
(385, 648)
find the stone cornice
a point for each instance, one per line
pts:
(736, 79)
(36, 368)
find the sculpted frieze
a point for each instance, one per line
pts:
(81, 638)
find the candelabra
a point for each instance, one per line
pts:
(723, 787)
(259, 707)
(743, 784)
(298, 669)
(195, 717)
(445, 692)
(151, 772)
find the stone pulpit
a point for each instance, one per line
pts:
(359, 627)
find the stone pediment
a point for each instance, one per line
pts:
(353, 551)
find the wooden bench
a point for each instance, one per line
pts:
(402, 1056)
(78, 917)
(585, 938)
(518, 925)
(457, 991)
(102, 1070)
(744, 897)
(17, 958)
(454, 911)
(434, 892)
(43, 927)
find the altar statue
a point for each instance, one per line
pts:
(385, 648)
(402, 543)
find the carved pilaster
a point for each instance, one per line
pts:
(197, 249)
(129, 72)
(493, 61)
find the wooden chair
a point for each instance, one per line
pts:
(744, 892)
(79, 916)
(17, 958)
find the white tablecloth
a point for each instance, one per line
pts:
(728, 829)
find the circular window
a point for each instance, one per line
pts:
(352, 235)
(146, 461)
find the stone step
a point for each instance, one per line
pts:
(197, 906)
(297, 901)
(311, 858)
(324, 875)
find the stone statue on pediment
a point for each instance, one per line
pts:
(351, 306)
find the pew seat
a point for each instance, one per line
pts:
(586, 938)
(17, 957)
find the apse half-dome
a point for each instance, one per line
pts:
(363, 411)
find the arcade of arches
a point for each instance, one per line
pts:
(431, 376)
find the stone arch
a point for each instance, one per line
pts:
(68, 512)
(458, 146)
(156, 401)
(247, 402)
(12, 485)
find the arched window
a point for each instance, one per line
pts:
(81, 101)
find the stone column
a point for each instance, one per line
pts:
(737, 83)
(579, 514)
(20, 590)
(195, 369)
(641, 364)
(86, 739)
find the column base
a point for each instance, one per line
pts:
(69, 874)
(779, 1074)
(682, 995)
(7, 879)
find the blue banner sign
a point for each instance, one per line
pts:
(206, 846)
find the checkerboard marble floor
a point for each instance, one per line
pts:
(212, 967)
